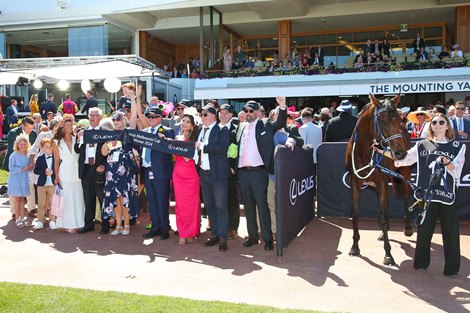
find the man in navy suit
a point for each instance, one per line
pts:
(157, 169)
(460, 124)
(255, 161)
(11, 112)
(91, 166)
(214, 170)
(48, 106)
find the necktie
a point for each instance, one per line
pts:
(91, 159)
(199, 153)
(147, 155)
(461, 124)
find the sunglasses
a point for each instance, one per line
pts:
(460, 109)
(419, 114)
(154, 116)
(248, 110)
(179, 109)
(441, 122)
(118, 119)
(205, 114)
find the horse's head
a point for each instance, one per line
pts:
(388, 126)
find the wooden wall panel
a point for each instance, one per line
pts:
(156, 50)
(462, 35)
(284, 36)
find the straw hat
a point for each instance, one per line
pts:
(412, 115)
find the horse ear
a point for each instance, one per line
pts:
(374, 100)
(396, 100)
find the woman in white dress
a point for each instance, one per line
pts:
(74, 203)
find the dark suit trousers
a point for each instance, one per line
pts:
(254, 190)
(158, 198)
(91, 190)
(449, 217)
(215, 193)
(233, 205)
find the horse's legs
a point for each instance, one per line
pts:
(408, 218)
(355, 193)
(383, 220)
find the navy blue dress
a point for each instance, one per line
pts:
(120, 181)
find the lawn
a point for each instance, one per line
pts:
(34, 298)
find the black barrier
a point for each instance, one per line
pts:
(334, 197)
(295, 183)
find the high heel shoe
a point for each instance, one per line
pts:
(127, 230)
(117, 231)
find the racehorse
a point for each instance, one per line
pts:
(378, 123)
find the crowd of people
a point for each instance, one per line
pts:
(232, 152)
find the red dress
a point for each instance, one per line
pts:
(188, 207)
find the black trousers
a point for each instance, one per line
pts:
(449, 217)
(233, 204)
(254, 190)
(91, 190)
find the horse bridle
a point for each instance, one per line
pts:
(384, 142)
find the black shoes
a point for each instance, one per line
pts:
(86, 229)
(268, 245)
(223, 245)
(212, 241)
(165, 235)
(152, 233)
(104, 227)
(250, 242)
(452, 275)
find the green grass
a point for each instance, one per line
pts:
(34, 298)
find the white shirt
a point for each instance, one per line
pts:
(49, 165)
(144, 150)
(89, 150)
(204, 139)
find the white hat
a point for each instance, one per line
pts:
(345, 106)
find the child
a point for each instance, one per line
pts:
(18, 180)
(46, 188)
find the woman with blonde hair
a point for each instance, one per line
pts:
(33, 104)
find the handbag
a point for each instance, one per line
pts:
(57, 204)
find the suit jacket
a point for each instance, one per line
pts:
(293, 132)
(340, 128)
(47, 106)
(12, 134)
(466, 127)
(40, 169)
(417, 46)
(11, 118)
(265, 130)
(232, 130)
(216, 148)
(419, 55)
(374, 49)
(81, 150)
(161, 163)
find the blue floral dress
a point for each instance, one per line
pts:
(120, 179)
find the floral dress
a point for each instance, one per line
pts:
(120, 179)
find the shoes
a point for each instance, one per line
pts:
(420, 268)
(104, 227)
(182, 241)
(132, 221)
(233, 234)
(71, 230)
(19, 223)
(152, 233)
(13, 217)
(117, 231)
(164, 235)
(86, 229)
(32, 213)
(127, 230)
(223, 245)
(453, 275)
(26, 222)
(250, 242)
(268, 245)
(52, 225)
(38, 225)
(211, 241)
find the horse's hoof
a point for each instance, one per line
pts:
(354, 252)
(381, 237)
(408, 231)
(388, 260)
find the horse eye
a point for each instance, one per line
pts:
(383, 122)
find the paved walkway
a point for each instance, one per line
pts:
(316, 271)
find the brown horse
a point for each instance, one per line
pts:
(379, 122)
